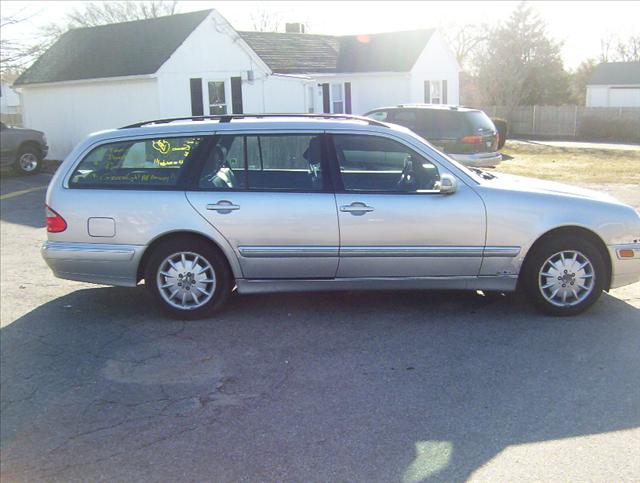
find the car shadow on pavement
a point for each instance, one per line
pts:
(358, 386)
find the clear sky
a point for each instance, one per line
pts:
(578, 24)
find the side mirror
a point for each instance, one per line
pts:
(448, 184)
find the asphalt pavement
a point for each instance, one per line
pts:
(97, 385)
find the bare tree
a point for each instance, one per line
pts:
(15, 53)
(465, 41)
(628, 50)
(264, 20)
(91, 14)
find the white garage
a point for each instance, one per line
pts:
(614, 84)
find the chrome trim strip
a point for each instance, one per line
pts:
(411, 251)
(501, 251)
(87, 251)
(288, 252)
(376, 251)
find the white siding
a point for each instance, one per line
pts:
(436, 62)
(68, 112)
(613, 96)
(368, 91)
(213, 52)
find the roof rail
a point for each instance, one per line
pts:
(224, 118)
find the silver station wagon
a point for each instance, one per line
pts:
(198, 207)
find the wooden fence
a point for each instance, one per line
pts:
(571, 122)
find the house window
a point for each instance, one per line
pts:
(337, 98)
(217, 98)
(310, 100)
(436, 92)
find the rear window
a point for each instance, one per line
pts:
(479, 121)
(136, 163)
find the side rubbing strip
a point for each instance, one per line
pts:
(288, 252)
(501, 251)
(359, 251)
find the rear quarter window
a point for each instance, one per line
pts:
(135, 163)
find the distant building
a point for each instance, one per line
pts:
(9, 99)
(198, 64)
(614, 84)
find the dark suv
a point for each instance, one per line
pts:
(467, 135)
(22, 149)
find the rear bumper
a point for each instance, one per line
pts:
(94, 262)
(480, 160)
(624, 270)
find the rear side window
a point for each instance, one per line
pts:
(441, 124)
(137, 163)
(290, 162)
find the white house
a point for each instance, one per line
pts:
(197, 64)
(614, 84)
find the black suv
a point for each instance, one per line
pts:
(467, 135)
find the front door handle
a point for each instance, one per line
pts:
(223, 207)
(356, 208)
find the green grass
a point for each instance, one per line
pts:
(571, 165)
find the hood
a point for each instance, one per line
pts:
(532, 185)
(25, 130)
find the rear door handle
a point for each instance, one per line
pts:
(223, 207)
(356, 208)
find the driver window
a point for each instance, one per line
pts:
(372, 163)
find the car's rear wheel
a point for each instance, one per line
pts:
(188, 277)
(564, 275)
(28, 161)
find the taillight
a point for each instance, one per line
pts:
(55, 223)
(472, 140)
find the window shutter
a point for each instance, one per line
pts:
(427, 92)
(236, 95)
(326, 100)
(197, 107)
(347, 97)
(444, 92)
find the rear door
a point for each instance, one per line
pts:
(270, 196)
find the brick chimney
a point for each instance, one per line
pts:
(294, 28)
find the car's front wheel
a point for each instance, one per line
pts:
(28, 161)
(564, 275)
(188, 277)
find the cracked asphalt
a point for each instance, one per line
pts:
(96, 385)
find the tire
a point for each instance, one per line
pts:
(28, 161)
(197, 295)
(540, 288)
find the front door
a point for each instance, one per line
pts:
(268, 195)
(393, 220)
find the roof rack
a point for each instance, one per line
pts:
(229, 117)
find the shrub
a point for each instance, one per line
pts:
(597, 128)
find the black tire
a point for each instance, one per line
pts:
(205, 250)
(546, 249)
(27, 155)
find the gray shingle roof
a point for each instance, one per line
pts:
(290, 53)
(114, 50)
(616, 73)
